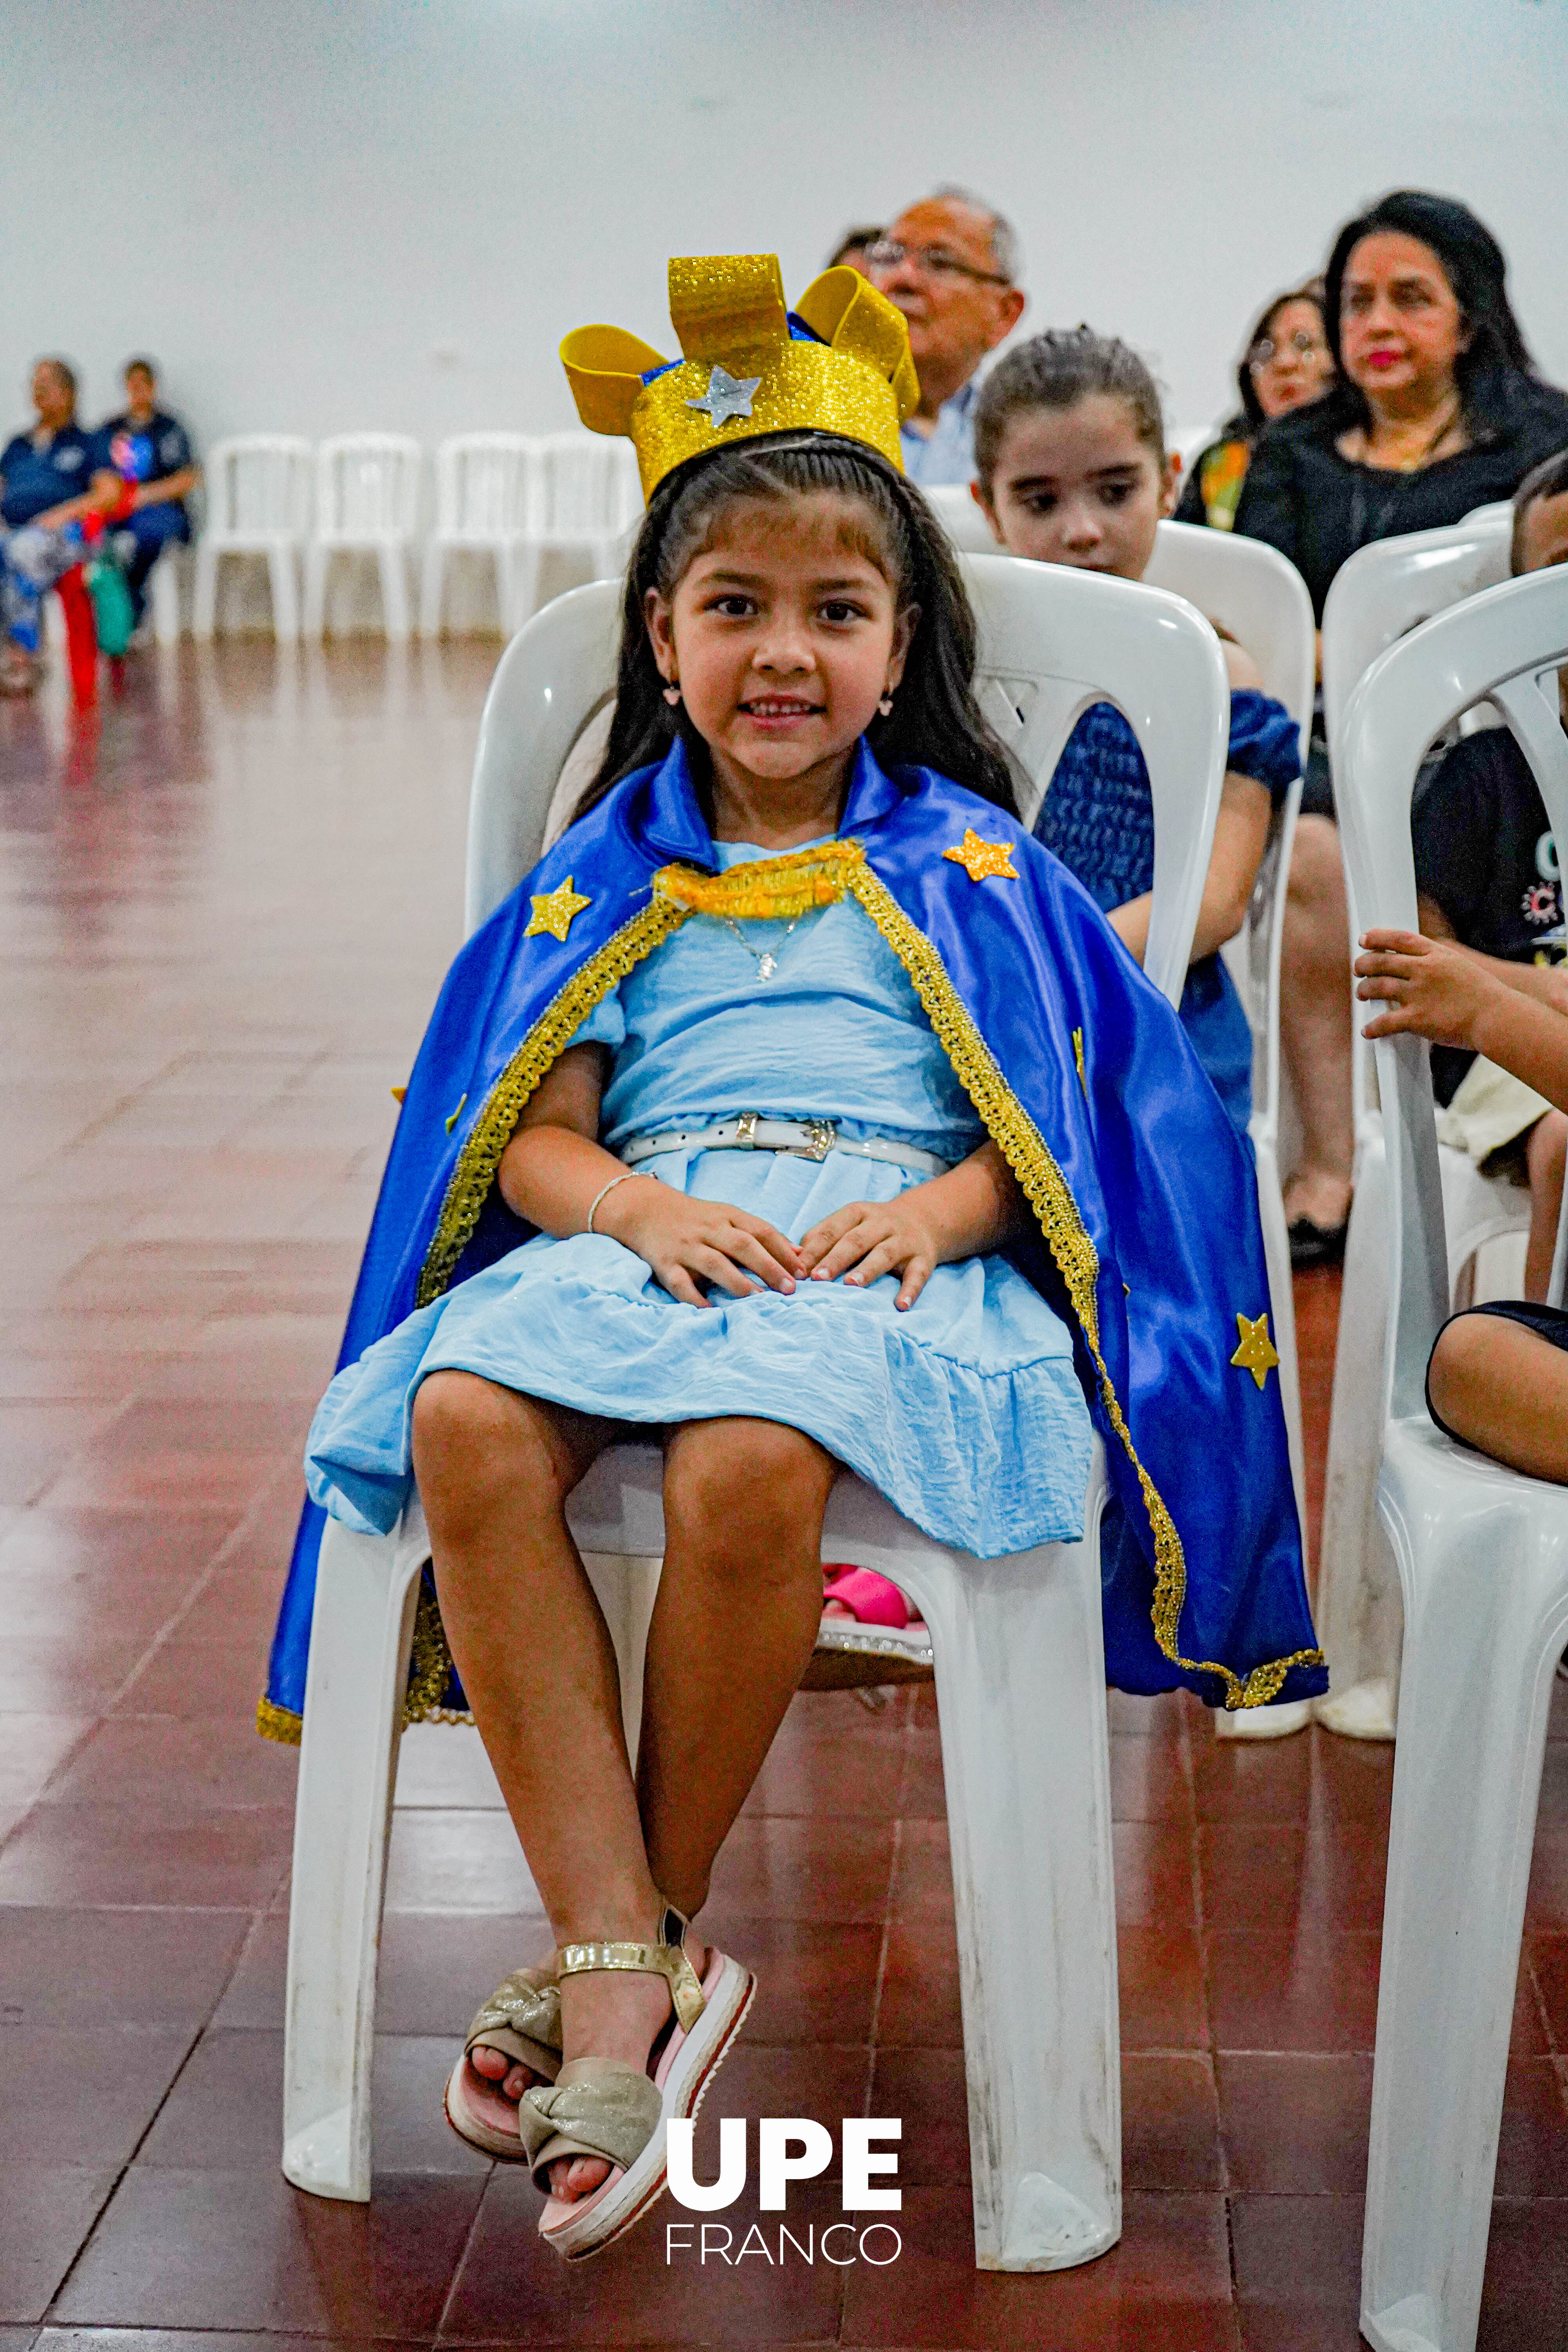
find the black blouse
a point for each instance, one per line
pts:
(1318, 507)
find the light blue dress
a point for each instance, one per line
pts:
(964, 1411)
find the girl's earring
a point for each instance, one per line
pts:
(672, 692)
(886, 706)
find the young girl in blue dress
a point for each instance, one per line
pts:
(1069, 444)
(775, 1218)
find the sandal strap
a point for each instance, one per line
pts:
(667, 1959)
(607, 2109)
(527, 2003)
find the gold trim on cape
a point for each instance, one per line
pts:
(782, 887)
(280, 1723)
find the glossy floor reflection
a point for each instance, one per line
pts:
(226, 903)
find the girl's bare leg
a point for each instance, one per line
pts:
(740, 1601)
(736, 1620)
(1504, 1391)
(1315, 1023)
(494, 1471)
(1544, 1154)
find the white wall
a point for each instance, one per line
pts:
(322, 214)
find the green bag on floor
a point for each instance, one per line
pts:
(112, 615)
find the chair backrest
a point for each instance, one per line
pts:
(961, 519)
(1505, 643)
(587, 488)
(1261, 599)
(367, 485)
(1052, 642)
(1255, 593)
(259, 483)
(481, 485)
(1385, 589)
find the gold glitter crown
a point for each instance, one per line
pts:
(839, 364)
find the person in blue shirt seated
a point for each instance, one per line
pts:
(144, 445)
(951, 265)
(1070, 449)
(46, 487)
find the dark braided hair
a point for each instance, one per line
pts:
(1057, 370)
(936, 722)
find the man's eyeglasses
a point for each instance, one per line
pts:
(1265, 350)
(931, 260)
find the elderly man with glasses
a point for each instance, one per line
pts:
(950, 264)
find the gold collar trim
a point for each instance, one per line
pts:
(778, 888)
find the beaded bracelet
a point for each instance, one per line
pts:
(625, 1177)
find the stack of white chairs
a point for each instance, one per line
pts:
(483, 507)
(257, 504)
(1481, 1552)
(367, 503)
(1251, 591)
(1019, 1660)
(585, 499)
(1381, 594)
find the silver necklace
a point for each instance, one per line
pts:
(767, 963)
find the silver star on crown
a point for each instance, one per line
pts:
(726, 396)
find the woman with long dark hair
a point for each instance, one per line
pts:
(1286, 365)
(1439, 410)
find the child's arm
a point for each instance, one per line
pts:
(1240, 838)
(1437, 989)
(975, 1207)
(554, 1171)
(1240, 834)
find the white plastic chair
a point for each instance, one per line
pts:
(1481, 1553)
(585, 499)
(1381, 594)
(1019, 1658)
(481, 508)
(257, 504)
(367, 503)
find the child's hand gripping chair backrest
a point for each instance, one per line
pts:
(1481, 1551)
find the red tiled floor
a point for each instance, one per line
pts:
(197, 1069)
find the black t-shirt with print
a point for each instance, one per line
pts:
(1484, 851)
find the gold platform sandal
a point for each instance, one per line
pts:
(606, 2109)
(521, 2019)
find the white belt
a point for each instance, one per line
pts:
(813, 1139)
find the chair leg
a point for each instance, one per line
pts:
(316, 561)
(391, 563)
(1020, 1678)
(165, 587)
(365, 1596)
(205, 604)
(285, 594)
(1358, 1616)
(1489, 1612)
(432, 580)
(525, 567)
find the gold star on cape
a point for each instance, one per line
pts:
(980, 858)
(556, 912)
(1256, 1353)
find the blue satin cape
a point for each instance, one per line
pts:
(1146, 1240)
